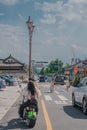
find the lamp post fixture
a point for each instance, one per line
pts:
(30, 26)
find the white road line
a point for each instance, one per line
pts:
(61, 89)
(47, 86)
(48, 98)
(64, 102)
(62, 97)
(61, 102)
(56, 92)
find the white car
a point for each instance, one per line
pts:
(79, 95)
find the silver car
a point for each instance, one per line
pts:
(79, 95)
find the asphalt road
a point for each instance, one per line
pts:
(55, 112)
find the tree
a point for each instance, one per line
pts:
(55, 66)
(67, 65)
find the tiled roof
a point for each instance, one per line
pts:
(16, 64)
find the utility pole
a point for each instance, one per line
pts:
(30, 26)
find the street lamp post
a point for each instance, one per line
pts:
(30, 26)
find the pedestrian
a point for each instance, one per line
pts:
(20, 89)
(67, 83)
(52, 85)
(31, 92)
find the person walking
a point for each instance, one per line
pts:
(67, 83)
(52, 85)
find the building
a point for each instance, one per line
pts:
(12, 65)
(80, 68)
(38, 65)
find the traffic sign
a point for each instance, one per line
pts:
(76, 69)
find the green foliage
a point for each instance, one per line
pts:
(67, 65)
(55, 66)
(42, 71)
(76, 80)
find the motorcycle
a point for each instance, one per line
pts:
(30, 113)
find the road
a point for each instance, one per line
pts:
(55, 112)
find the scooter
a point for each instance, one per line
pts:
(30, 116)
(30, 113)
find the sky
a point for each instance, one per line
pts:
(60, 29)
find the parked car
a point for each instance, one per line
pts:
(79, 95)
(9, 81)
(3, 81)
(59, 80)
(15, 79)
(2, 85)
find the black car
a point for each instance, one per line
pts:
(59, 80)
(41, 79)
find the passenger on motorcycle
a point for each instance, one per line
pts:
(31, 92)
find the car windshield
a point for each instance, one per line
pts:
(58, 78)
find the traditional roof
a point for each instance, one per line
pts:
(11, 61)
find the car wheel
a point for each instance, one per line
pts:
(84, 106)
(73, 100)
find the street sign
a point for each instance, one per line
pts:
(76, 69)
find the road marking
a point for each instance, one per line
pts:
(47, 86)
(60, 102)
(48, 123)
(61, 90)
(56, 92)
(62, 97)
(48, 97)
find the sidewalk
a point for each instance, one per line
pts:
(8, 96)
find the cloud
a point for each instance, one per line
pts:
(67, 22)
(13, 2)
(20, 16)
(58, 26)
(72, 10)
(13, 40)
(48, 19)
(9, 2)
(78, 1)
(47, 32)
(49, 6)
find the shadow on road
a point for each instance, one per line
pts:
(14, 124)
(1, 90)
(74, 112)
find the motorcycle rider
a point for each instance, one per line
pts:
(31, 92)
